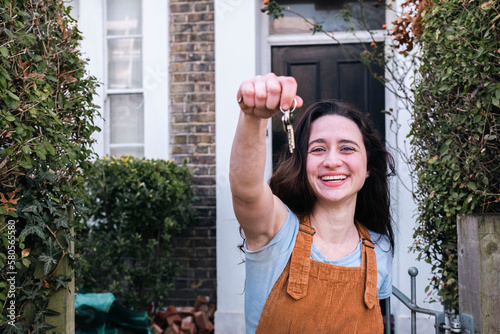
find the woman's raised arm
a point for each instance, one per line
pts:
(259, 212)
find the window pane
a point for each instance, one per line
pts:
(137, 152)
(330, 15)
(124, 63)
(123, 17)
(126, 119)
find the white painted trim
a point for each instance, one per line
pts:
(155, 78)
(321, 38)
(116, 91)
(92, 45)
(236, 59)
(123, 36)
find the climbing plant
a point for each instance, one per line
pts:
(455, 130)
(46, 123)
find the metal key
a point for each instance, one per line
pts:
(287, 120)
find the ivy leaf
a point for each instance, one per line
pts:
(33, 208)
(41, 327)
(61, 282)
(50, 313)
(31, 294)
(18, 328)
(33, 229)
(61, 222)
(48, 262)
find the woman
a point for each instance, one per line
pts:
(318, 238)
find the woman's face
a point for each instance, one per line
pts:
(336, 160)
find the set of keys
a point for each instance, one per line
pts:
(287, 120)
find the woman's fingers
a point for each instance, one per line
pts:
(260, 92)
(246, 94)
(263, 95)
(273, 90)
(289, 93)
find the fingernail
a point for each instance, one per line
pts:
(285, 107)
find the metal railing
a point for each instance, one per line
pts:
(463, 323)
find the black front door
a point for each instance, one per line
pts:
(328, 72)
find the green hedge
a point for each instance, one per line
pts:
(46, 123)
(136, 206)
(455, 131)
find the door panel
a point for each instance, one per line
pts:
(327, 72)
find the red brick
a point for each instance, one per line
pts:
(192, 136)
(172, 329)
(180, 8)
(188, 326)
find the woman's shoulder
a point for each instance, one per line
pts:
(282, 242)
(380, 241)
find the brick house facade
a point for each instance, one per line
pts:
(192, 138)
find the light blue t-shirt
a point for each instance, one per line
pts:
(264, 266)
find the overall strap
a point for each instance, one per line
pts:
(370, 296)
(300, 260)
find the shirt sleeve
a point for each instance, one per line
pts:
(384, 274)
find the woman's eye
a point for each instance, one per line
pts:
(317, 149)
(346, 148)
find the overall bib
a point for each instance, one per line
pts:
(316, 297)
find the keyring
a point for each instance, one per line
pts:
(290, 110)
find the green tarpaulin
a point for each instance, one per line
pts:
(99, 313)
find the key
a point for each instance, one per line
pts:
(291, 137)
(288, 127)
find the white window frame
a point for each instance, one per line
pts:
(155, 80)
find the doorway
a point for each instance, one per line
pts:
(328, 72)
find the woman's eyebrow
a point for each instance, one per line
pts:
(341, 141)
(348, 141)
(319, 140)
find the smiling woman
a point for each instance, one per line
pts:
(336, 161)
(319, 234)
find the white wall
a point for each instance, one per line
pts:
(90, 23)
(404, 212)
(235, 61)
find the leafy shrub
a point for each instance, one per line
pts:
(456, 130)
(46, 123)
(135, 207)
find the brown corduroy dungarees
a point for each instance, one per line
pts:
(315, 297)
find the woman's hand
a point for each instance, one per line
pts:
(263, 95)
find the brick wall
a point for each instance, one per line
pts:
(192, 126)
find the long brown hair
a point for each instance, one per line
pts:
(289, 182)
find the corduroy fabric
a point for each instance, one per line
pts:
(316, 297)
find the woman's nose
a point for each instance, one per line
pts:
(332, 160)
